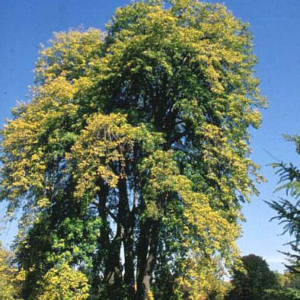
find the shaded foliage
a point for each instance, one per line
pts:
(288, 289)
(250, 282)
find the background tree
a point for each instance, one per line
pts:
(288, 288)
(250, 282)
(282, 294)
(291, 280)
(132, 156)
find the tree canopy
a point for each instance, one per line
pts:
(288, 287)
(131, 160)
(252, 281)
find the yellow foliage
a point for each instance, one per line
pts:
(63, 282)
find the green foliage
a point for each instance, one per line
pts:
(250, 282)
(288, 289)
(286, 294)
(136, 141)
(291, 280)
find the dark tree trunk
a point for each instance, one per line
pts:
(113, 267)
(127, 220)
(148, 243)
(103, 241)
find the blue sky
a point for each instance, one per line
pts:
(275, 25)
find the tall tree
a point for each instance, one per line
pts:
(130, 161)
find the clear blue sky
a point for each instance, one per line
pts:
(275, 25)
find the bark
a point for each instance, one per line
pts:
(127, 219)
(113, 267)
(108, 256)
(103, 241)
(147, 257)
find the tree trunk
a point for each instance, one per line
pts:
(127, 220)
(147, 257)
(103, 240)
